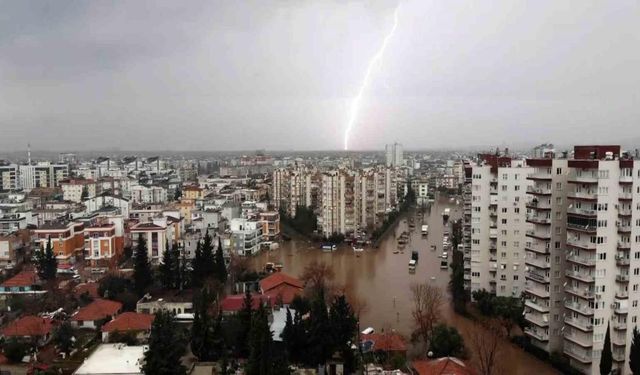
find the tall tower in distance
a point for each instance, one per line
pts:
(394, 155)
(28, 153)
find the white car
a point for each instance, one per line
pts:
(368, 331)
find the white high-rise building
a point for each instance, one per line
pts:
(583, 255)
(394, 155)
(9, 177)
(42, 175)
(498, 226)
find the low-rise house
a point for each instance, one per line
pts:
(129, 323)
(25, 282)
(180, 303)
(388, 342)
(232, 304)
(445, 365)
(31, 328)
(95, 313)
(281, 288)
(112, 359)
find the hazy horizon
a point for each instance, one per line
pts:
(280, 75)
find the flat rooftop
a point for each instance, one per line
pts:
(113, 359)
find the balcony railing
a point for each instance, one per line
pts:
(582, 228)
(582, 211)
(582, 244)
(580, 339)
(581, 356)
(582, 260)
(619, 326)
(537, 277)
(582, 276)
(582, 324)
(531, 303)
(622, 294)
(590, 195)
(585, 178)
(538, 190)
(538, 219)
(622, 278)
(585, 293)
(535, 204)
(538, 234)
(536, 319)
(582, 308)
(538, 292)
(537, 334)
(622, 261)
(537, 262)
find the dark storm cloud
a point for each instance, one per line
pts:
(280, 74)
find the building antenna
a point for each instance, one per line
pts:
(28, 153)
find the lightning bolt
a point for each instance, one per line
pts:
(355, 104)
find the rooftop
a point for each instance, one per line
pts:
(29, 325)
(277, 279)
(113, 359)
(129, 321)
(442, 366)
(235, 302)
(24, 278)
(98, 309)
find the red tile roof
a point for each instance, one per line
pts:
(442, 366)
(28, 326)
(283, 293)
(235, 302)
(129, 321)
(24, 278)
(98, 309)
(387, 342)
(278, 278)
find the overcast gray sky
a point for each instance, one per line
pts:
(230, 75)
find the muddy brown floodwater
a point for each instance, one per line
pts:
(381, 279)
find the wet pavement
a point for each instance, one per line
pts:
(381, 280)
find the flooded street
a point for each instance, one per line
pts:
(381, 279)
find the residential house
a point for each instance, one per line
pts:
(138, 324)
(232, 304)
(30, 328)
(95, 313)
(444, 365)
(281, 288)
(25, 282)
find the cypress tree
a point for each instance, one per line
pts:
(260, 345)
(141, 269)
(220, 266)
(166, 347)
(168, 268)
(245, 318)
(320, 341)
(634, 352)
(198, 271)
(49, 264)
(606, 359)
(208, 260)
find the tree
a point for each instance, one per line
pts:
(15, 350)
(606, 359)
(260, 344)
(245, 318)
(446, 342)
(634, 352)
(344, 326)
(321, 345)
(184, 275)
(197, 275)
(219, 264)
(206, 338)
(142, 278)
(317, 278)
(169, 269)
(46, 262)
(85, 193)
(509, 311)
(485, 345)
(427, 300)
(166, 347)
(203, 263)
(178, 194)
(63, 337)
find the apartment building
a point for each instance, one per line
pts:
(14, 248)
(583, 254)
(67, 239)
(9, 177)
(148, 194)
(74, 189)
(246, 236)
(103, 244)
(498, 226)
(293, 187)
(157, 235)
(546, 256)
(42, 175)
(394, 156)
(270, 225)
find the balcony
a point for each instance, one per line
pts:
(584, 179)
(583, 195)
(622, 261)
(580, 244)
(624, 212)
(582, 276)
(537, 292)
(537, 277)
(624, 245)
(582, 308)
(589, 262)
(624, 229)
(580, 339)
(582, 228)
(622, 278)
(537, 320)
(537, 334)
(622, 294)
(625, 196)
(581, 324)
(538, 247)
(493, 233)
(540, 176)
(534, 190)
(533, 304)
(535, 219)
(579, 356)
(537, 262)
(582, 212)
(540, 235)
(537, 205)
(620, 310)
(619, 326)
(584, 293)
